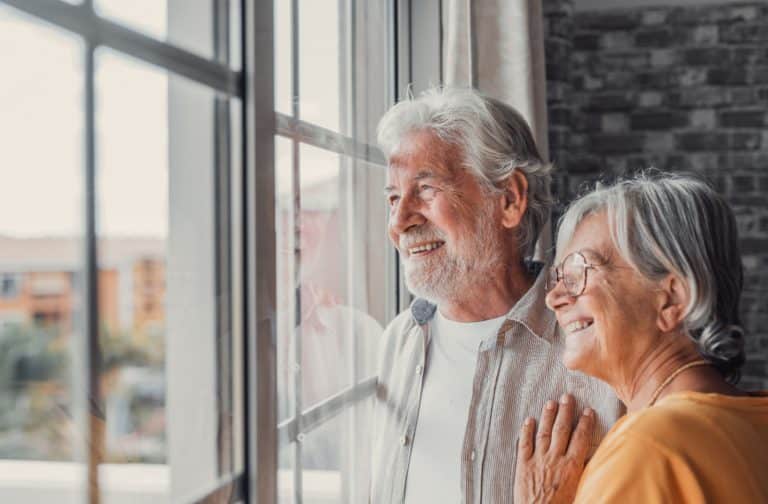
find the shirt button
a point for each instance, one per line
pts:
(403, 440)
(472, 455)
(419, 368)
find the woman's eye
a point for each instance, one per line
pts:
(393, 199)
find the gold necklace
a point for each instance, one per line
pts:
(672, 376)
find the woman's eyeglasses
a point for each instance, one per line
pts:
(572, 271)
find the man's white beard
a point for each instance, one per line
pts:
(450, 275)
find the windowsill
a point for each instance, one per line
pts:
(33, 482)
(40, 482)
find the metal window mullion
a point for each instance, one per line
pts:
(222, 253)
(296, 329)
(317, 136)
(95, 419)
(260, 425)
(82, 20)
(348, 105)
(325, 410)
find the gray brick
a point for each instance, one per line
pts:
(702, 141)
(609, 20)
(605, 143)
(654, 16)
(658, 120)
(657, 143)
(698, 97)
(704, 35)
(703, 119)
(559, 116)
(612, 101)
(585, 164)
(653, 98)
(614, 123)
(745, 140)
(705, 55)
(617, 40)
(664, 57)
(745, 33)
(687, 77)
(730, 76)
(586, 41)
(654, 37)
(553, 8)
(743, 118)
(742, 96)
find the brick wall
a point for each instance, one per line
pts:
(678, 88)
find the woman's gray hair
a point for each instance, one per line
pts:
(494, 138)
(665, 224)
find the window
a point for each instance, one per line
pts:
(9, 285)
(199, 299)
(120, 371)
(333, 83)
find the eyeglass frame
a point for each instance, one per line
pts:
(559, 274)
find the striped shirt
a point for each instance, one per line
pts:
(517, 371)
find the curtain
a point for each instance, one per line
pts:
(497, 47)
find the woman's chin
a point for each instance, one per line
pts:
(575, 361)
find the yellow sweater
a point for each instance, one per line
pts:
(689, 447)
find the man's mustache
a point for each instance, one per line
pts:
(419, 236)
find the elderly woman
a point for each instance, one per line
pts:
(647, 288)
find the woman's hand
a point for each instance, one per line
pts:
(549, 466)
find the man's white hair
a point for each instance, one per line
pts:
(495, 141)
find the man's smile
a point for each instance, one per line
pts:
(425, 248)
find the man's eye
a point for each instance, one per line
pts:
(428, 189)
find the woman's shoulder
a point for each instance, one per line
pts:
(680, 418)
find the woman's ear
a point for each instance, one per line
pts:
(514, 199)
(673, 300)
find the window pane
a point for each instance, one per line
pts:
(41, 261)
(338, 280)
(164, 312)
(343, 64)
(320, 49)
(286, 291)
(188, 24)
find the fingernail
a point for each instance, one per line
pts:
(588, 412)
(528, 421)
(564, 399)
(551, 405)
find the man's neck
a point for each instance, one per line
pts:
(492, 296)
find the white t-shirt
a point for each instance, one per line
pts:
(434, 473)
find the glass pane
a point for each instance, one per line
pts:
(320, 49)
(285, 277)
(41, 261)
(166, 332)
(338, 280)
(343, 64)
(188, 24)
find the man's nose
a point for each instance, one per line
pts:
(405, 215)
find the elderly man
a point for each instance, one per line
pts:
(478, 351)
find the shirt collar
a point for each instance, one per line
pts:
(530, 310)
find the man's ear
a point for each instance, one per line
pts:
(514, 200)
(672, 302)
